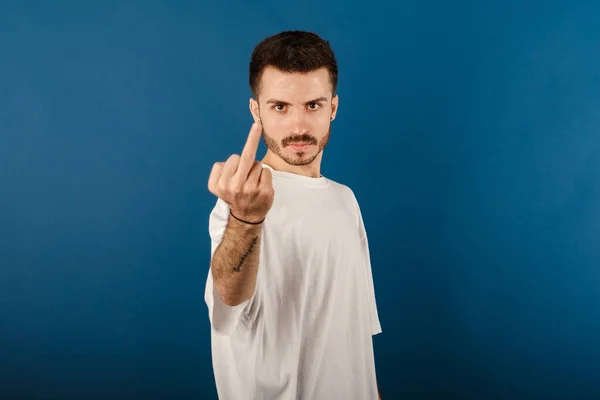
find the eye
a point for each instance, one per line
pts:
(314, 106)
(279, 107)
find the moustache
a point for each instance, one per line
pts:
(301, 139)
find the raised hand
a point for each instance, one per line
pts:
(243, 183)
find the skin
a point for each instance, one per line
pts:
(247, 188)
(290, 108)
(295, 107)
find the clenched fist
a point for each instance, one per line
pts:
(242, 183)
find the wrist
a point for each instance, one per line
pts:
(247, 220)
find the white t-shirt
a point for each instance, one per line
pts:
(307, 331)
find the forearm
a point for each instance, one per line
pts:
(235, 262)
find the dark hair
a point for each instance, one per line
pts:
(292, 51)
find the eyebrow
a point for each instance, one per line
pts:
(275, 101)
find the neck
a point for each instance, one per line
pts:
(312, 170)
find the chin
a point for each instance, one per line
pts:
(299, 163)
(301, 158)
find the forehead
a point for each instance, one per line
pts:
(295, 85)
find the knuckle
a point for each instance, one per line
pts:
(236, 190)
(222, 188)
(250, 190)
(235, 185)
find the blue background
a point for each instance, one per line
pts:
(469, 132)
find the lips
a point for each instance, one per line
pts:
(300, 146)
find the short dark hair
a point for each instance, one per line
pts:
(292, 51)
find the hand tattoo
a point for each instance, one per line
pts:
(238, 268)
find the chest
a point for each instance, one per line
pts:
(305, 227)
(311, 244)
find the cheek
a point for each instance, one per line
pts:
(323, 121)
(274, 127)
(324, 117)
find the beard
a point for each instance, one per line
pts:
(300, 157)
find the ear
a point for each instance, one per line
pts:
(334, 106)
(254, 110)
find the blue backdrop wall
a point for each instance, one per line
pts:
(469, 132)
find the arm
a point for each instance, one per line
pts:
(375, 325)
(248, 191)
(235, 262)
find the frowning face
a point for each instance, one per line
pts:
(296, 110)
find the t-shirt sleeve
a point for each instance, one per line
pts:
(372, 303)
(223, 318)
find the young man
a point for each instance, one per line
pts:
(290, 290)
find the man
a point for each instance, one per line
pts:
(289, 291)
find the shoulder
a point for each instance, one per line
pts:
(344, 191)
(351, 201)
(347, 196)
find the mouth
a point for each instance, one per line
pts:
(300, 146)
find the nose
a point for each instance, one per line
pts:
(298, 123)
